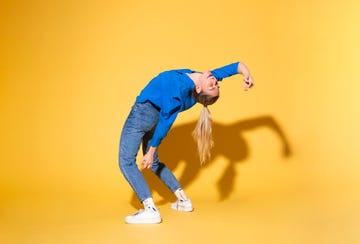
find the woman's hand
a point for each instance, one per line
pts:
(247, 80)
(148, 159)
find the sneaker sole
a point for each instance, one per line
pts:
(185, 209)
(144, 221)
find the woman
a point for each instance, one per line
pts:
(149, 121)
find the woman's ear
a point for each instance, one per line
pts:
(198, 89)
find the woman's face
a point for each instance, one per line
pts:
(209, 84)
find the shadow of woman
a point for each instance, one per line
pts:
(179, 147)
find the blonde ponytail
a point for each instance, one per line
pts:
(203, 135)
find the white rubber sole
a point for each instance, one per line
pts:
(143, 221)
(177, 207)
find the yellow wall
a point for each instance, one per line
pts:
(70, 70)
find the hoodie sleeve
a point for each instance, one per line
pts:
(166, 120)
(225, 71)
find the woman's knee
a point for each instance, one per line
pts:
(126, 163)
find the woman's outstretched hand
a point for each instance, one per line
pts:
(247, 80)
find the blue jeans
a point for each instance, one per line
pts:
(138, 129)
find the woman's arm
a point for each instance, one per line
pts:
(248, 80)
(233, 69)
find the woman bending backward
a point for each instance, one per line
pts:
(151, 117)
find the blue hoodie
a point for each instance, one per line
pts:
(170, 92)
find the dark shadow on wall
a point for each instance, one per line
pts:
(179, 146)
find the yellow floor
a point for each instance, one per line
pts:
(276, 217)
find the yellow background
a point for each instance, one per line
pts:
(286, 157)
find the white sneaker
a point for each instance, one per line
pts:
(144, 216)
(181, 205)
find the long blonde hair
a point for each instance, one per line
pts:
(202, 133)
